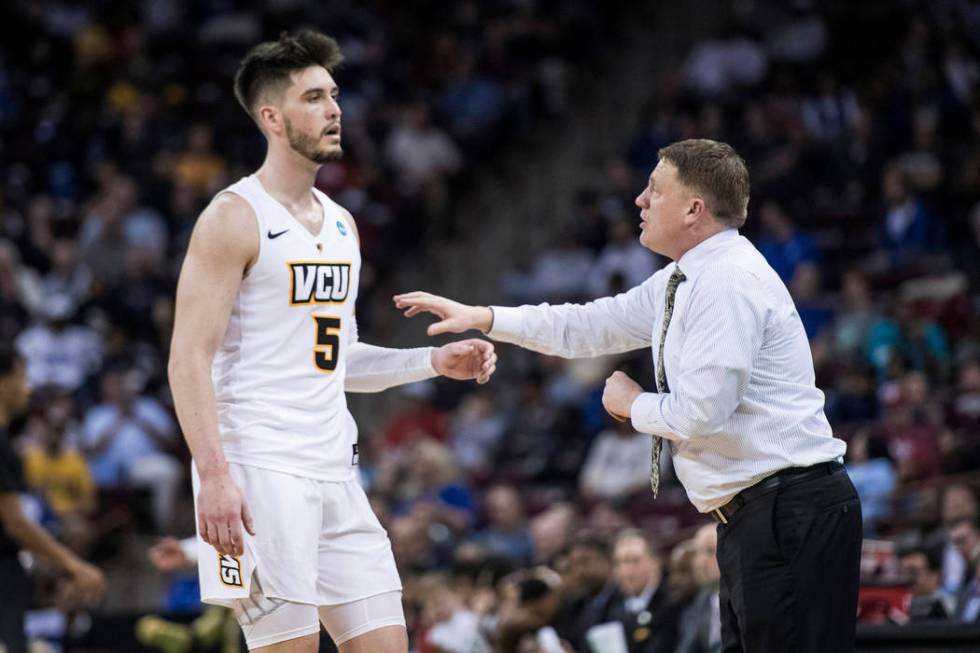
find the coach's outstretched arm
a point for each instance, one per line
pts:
(223, 246)
(610, 325)
(371, 368)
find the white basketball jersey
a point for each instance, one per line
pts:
(279, 373)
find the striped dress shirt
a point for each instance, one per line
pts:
(742, 403)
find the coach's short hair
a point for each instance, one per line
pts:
(716, 172)
(268, 65)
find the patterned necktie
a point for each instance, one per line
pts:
(675, 280)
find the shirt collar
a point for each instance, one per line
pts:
(639, 602)
(695, 258)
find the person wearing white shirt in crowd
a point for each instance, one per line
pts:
(618, 464)
(734, 395)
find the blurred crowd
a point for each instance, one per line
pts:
(519, 513)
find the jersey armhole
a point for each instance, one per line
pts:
(255, 219)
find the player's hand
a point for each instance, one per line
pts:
(454, 317)
(465, 360)
(618, 395)
(88, 581)
(222, 512)
(168, 555)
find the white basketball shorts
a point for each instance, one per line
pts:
(315, 542)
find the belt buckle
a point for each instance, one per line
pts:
(719, 516)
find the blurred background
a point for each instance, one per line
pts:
(493, 152)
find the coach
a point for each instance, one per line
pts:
(734, 395)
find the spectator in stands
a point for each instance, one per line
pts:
(57, 351)
(815, 311)
(959, 503)
(784, 246)
(913, 445)
(968, 600)
(420, 152)
(963, 419)
(433, 483)
(506, 532)
(644, 603)
(128, 440)
(61, 476)
(450, 626)
(475, 432)
(923, 569)
(551, 531)
(907, 229)
(908, 341)
(417, 418)
(623, 259)
(529, 605)
(964, 534)
(68, 276)
(560, 273)
(700, 623)
(853, 322)
(872, 471)
(199, 166)
(618, 464)
(20, 293)
(587, 589)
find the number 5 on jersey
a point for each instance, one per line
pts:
(326, 351)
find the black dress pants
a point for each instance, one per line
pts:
(790, 565)
(16, 588)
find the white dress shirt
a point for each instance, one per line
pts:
(742, 403)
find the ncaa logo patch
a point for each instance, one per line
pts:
(230, 570)
(341, 228)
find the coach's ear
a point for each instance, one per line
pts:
(696, 210)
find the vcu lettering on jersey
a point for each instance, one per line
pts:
(319, 283)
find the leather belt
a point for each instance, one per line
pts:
(783, 478)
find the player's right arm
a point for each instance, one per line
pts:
(224, 244)
(610, 325)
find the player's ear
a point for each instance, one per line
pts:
(270, 118)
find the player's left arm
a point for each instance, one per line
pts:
(372, 369)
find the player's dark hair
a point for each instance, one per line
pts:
(716, 172)
(268, 65)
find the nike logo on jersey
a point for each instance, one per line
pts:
(273, 236)
(319, 283)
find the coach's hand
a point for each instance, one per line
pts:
(222, 512)
(465, 360)
(618, 395)
(455, 317)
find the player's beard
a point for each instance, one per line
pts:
(306, 145)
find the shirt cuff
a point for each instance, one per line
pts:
(647, 416)
(507, 324)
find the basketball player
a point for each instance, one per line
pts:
(264, 346)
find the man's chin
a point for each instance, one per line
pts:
(326, 156)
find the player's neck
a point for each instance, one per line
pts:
(288, 177)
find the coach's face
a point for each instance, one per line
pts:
(311, 115)
(664, 205)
